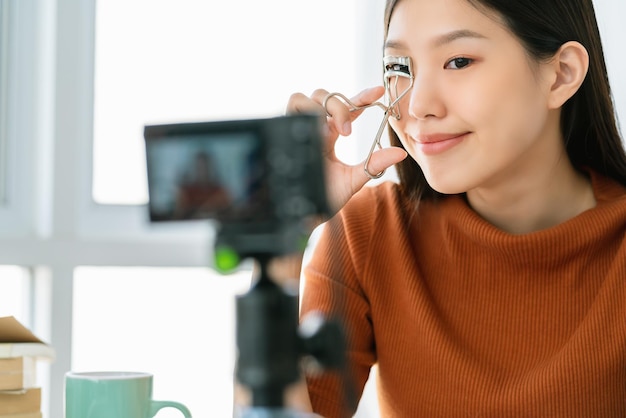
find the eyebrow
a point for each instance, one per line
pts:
(441, 40)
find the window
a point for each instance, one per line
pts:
(4, 60)
(15, 293)
(159, 62)
(164, 61)
(177, 323)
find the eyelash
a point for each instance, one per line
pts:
(466, 61)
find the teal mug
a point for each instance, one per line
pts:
(113, 395)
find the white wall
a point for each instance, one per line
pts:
(610, 15)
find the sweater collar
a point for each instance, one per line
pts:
(606, 221)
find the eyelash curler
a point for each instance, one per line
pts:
(394, 68)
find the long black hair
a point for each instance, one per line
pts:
(588, 119)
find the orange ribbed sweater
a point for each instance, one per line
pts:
(465, 320)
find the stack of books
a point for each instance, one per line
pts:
(20, 396)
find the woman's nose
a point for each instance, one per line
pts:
(424, 98)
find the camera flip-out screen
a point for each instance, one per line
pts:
(210, 175)
(239, 171)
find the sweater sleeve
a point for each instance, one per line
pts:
(332, 287)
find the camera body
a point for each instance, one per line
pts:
(261, 179)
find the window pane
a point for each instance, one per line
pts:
(175, 323)
(14, 293)
(4, 95)
(163, 61)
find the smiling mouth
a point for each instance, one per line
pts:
(439, 143)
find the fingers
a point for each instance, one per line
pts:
(385, 158)
(346, 179)
(300, 103)
(368, 96)
(339, 112)
(380, 161)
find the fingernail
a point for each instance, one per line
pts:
(347, 128)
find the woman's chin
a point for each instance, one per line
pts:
(447, 185)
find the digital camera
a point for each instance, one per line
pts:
(261, 179)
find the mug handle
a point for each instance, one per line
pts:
(155, 406)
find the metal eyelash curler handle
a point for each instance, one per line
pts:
(394, 67)
(353, 107)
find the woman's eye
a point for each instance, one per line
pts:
(398, 68)
(458, 63)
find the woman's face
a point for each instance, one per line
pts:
(477, 113)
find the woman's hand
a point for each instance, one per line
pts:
(342, 180)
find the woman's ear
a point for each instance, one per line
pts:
(570, 65)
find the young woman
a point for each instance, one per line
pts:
(491, 279)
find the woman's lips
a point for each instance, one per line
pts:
(439, 143)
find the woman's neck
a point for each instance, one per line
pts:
(536, 200)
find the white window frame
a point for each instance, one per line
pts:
(50, 224)
(17, 89)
